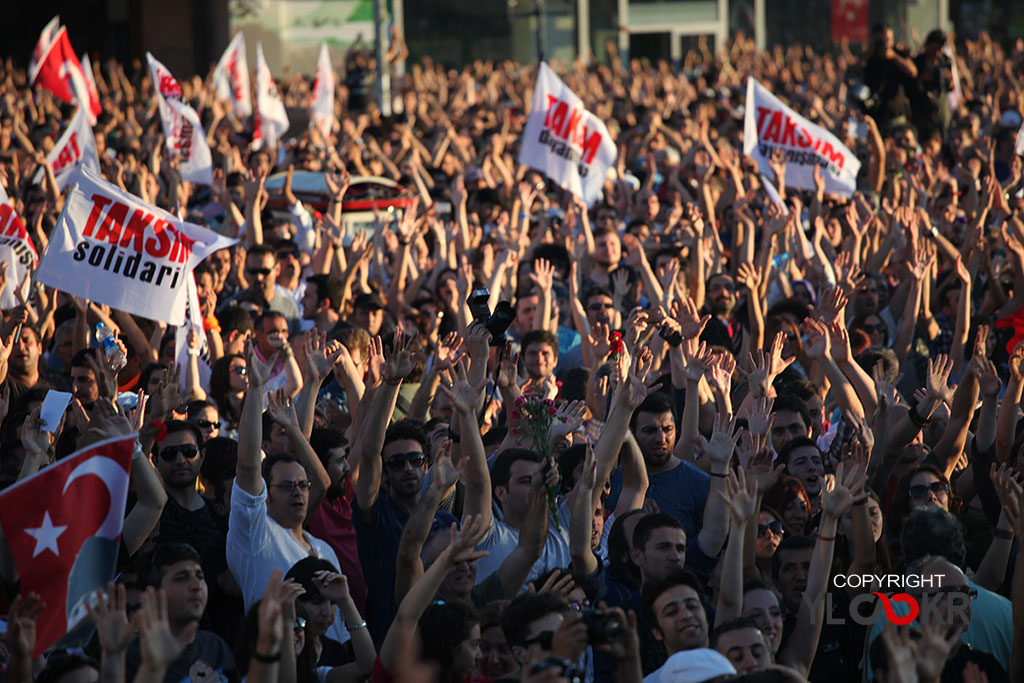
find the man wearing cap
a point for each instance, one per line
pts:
(368, 313)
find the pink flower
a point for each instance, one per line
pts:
(516, 414)
(552, 409)
(520, 400)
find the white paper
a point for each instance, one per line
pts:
(54, 405)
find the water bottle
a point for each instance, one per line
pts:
(114, 354)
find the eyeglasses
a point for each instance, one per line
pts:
(170, 453)
(204, 424)
(292, 253)
(600, 307)
(292, 485)
(240, 370)
(299, 623)
(880, 328)
(259, 271)
(396, 463)
(921, 491)
(544, 639)
(774, 527)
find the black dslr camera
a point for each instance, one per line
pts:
(601, 628)
(497, 323)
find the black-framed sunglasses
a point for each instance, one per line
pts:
(170, 453)
(205, 424)
(921, 491)
(774, 527)
(240, 370)
(396, 463)
(299, 623)
(259, 271)
(294, 253)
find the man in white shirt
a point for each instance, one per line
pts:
(269, 504)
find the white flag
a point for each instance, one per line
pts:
(17, 250)
(565, 141)
(76, 146)
(167, 89)
(196, 161)
(271, 118)
(323, 93)
(1019, 146)
(193, 320)
(112, 248)
(231, 77)
(90, 84)
(769, 124)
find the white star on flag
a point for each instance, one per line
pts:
(46, 535)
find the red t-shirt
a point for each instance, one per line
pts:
(332, 523)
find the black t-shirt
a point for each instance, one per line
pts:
(890, 86)
(839, 646)
(207, 647)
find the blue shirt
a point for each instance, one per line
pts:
(378, 533)
(682, 492)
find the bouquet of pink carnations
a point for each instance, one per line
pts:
(532, 416)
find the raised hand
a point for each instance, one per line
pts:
(632, 392)
(543, 274)
(748, 276)
(937, 379)
(720, 447)
(817, 346)
(259, 371)
(465, 540)
(35, 440)
(447, 351)
(320, 358)
(697, 363)
(1017, 363)
(113, 629)
(568, 418)
(831, 305)
(332, 585)
(478, 342)
(375, 363)
(759, 421)
(740, 497)
(691, 323)
(403, 358)
(776, 363)
(444, 473)
(721, 371)
(281, 408)
(985, 372)
(158, 646)
(459, 391)
(21, 624)
(837, 493)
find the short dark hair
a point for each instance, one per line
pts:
(325, 439)
(234, 319)
(787, 450)
(260, 250)
(793, 405)
(442, 627)
(221, 453)
(789, 543)
(930, 530)
(596, 290)
(193, 408)
(540, 337)
(267, 314)
(657, 403)
(271, 461)
(166, 554)
(407, 429)
(175, 426)
(737, 624)
(328, 287)
(652, 590)
(526, 609)
(501, 471)
(79, 360)
(649, 524)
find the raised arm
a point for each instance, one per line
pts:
(584, 562)
(837, 496)
(476, 478)
(515, 568)
(248, 473)
(740, 497)
(719, 449)
(282, 411)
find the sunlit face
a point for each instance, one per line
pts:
(663, 554)
(806, 464)
(272, 335)
(179, 460)
(83, 381)
(287, 500)
(795, 515)
(601, 309)
(928, 489)
(607, 250)
(539, 360)
(876, 330)
(874, 515)
(769, 535)
(721, 294)
(239, 376)
(746, 648)
(25, 354)
(262, 271)
(762, 606)
(402, 473)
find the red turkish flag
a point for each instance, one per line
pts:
(60, 72)
(850, 20)
(63, 526)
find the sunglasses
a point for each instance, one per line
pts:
(299, 623)
(170, 453)
(396, 463)
(259, 271)
(204, 424)
(875, 328)
(544, 639)
(600, 307)
(774, 527)
(292, 485)
(240, 370)
(291, 254)
(921, 491)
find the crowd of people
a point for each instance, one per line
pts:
(751, 402)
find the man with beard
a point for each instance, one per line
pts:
(607, 254)
(188, 517)
(331, 517)
(22, 363)
(540, 356)
(289, 277)
(383, 513)
(322, 301)
(175, 569)
(599, 308)
(262, 269)
(726, 326)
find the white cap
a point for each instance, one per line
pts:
(692, 666)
